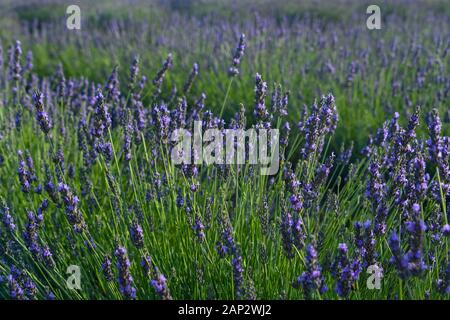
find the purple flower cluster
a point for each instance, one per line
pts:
(161, 119)
(346, 271)
(398, 259)
(311, 280)
(159, 283)
(416, 230)
(16, 292)
(107, 269)
(41, 115)
(102, 118)
(443, 283)
(73, 213)
(365, 243)
(292, 233)
(137, 234)
(20, 285)
(188, 85)
(125, 279)
(7, 219)
(157, 81)
(30, 235)
(112, 87)
(293, 186)
(438, 146)
(322, 121)
(376, 193)
(226, 246)
(412, 263)
(134, 72)
(234, 69)
(199, 228)
(261, 113)
(238, 275)
(25, 176)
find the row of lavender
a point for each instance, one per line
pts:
(393, 69)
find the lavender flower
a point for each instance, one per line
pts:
(15, 290)
(322, 121)
(369, 254)
(125, 279)
(61, 82)
(376, 192)
(58, 160)
(233, 70)
(137, 234)
(50, 296)
(293, 186)
(416, 229)
(226, 245)
(30, 166)
(24, 175)
(106, 149)
(146, 263)
(365, 243)
(191, 78)
(16, 69)
(312, 279)
(107, 269)
(28, 62)
(199, 228)
(398, 258)
(49, 186)
(161, 118)
(30, 289)
(238, 275)
(438, 146)
(41, 116)
(292, 233)
(443, 283)
(160, 286)
(260, 111)
(180, 199)
(7, 219)
(286, 233)
(112, 86)
(127, 135)
(134, 71)
(73, 213)
(446, 230)
(346, 272)
(47, 257)
(102, 118)
(30, 235)
(286, 129)
(298, 233)
(282, 108)
(157, 81)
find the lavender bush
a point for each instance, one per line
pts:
(85, 151)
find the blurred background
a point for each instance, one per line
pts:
(309, 47)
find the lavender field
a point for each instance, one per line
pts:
(94, 206)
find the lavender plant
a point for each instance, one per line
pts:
(87, 176)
